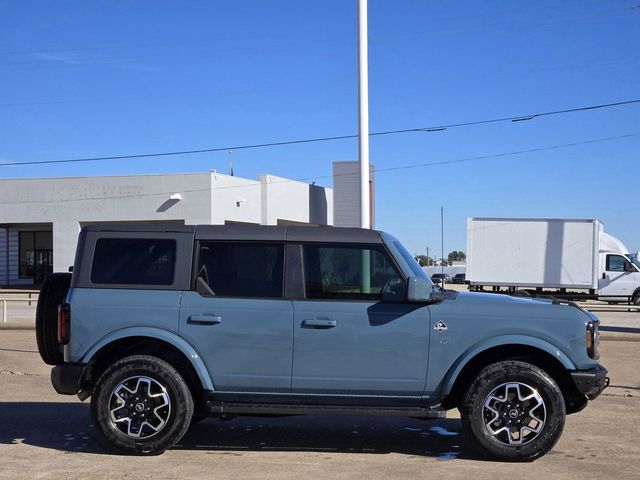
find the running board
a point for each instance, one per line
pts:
(218, 407)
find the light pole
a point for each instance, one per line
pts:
(363, 113)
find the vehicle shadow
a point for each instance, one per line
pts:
(67, 427)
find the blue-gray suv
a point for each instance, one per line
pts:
(163, 325)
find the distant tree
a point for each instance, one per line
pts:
(456, 256)
(423, 260)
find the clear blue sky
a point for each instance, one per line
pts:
(100, 78)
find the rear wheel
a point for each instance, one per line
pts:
(141, 405)
(513, 411)
(53, 291)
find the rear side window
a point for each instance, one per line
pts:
(350, 273)
(235, 269)
(134, 261)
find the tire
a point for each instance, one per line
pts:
(159, 416)
(53, 291)
(636, 298)
(491, 415)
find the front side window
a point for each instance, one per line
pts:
(616, 263)
(350, 273)
(134, 261)
(248, 270)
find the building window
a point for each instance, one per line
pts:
(35, 255)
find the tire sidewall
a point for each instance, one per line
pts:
(530, 375)
(179, 395)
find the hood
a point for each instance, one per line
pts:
(502, 302)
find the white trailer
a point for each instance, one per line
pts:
(566, 257)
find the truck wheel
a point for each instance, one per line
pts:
(141, 405)
(513, 411)
(53, 291)
(636, 298)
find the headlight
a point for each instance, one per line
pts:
(593, 340)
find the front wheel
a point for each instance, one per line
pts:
(513, 411)
(141, 405)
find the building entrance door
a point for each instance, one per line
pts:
(43, 265)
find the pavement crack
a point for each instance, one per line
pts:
(14, 372)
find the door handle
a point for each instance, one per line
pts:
(319, 323)
(204, 319)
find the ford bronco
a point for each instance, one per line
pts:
(162, 325)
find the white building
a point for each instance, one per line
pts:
(40, 217)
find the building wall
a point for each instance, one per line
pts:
(284, 200)
(66, 204)
(346, 194)
(234, 199)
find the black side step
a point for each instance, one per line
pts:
(223, 405)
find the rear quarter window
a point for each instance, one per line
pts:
(133, 261)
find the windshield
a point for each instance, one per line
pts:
(415, 268)
(635, 260)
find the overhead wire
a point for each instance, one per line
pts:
(318, 177)
(436, 128)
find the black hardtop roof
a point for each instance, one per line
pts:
(139, 227)
(249, 232)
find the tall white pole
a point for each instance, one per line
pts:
(363, 114)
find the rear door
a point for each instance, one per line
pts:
(354, 333)
(237, 318)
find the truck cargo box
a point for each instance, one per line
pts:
(550, 253)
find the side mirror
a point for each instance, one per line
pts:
(628, 267)
(418, 290)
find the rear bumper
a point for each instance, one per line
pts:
(67, 378)
(591, 382)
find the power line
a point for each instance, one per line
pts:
(381, 170)
(437, 128)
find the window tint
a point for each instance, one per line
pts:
(134, 261)
(242, 269)
(357, 273)
(616, 263)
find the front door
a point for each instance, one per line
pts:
(237, 318)
(354, 334)
(617, 280)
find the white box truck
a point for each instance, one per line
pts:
(567, 258)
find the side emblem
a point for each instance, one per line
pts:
(440, 326)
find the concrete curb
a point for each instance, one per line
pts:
(16, 326)
(620, 337)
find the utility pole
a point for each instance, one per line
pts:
(363, 114)
(442, 242)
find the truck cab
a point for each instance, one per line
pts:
(619, 279)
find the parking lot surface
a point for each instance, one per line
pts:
(45, 435)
